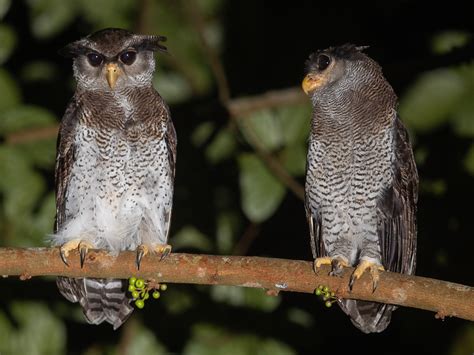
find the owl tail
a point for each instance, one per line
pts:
(369, 317)
(101, 299)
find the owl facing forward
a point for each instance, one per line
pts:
(361, 179)
(115, 164)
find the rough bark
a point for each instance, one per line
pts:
(273, 275)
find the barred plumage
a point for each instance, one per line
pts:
(115, 164)
(361, 182)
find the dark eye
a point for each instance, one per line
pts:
(95, 59)
(128, 57)
(323, 61)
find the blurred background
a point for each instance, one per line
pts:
(232, 81)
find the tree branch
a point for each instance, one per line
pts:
(274, 275)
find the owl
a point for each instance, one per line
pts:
(361, 180)
(115, 165)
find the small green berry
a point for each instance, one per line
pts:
(320, 287)
(333, 294)
(140, 303)
(156, 295)
(131, 288)
(318, 292)
(328, 304)
(325, 298)
(146, 295)
(139, 283)
(135, 294)
(132, 280)
(163, 287)
(325, 289)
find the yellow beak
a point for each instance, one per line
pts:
(112, 74)
(311, 82)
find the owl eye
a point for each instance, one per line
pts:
(95, 59)
(323, 62)
(128, 57)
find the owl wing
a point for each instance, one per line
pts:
(314, 221)
(64, 160)
(396, 208)
(171, 142)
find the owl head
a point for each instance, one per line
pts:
(338, 70)
(113, 59)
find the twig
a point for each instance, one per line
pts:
(195, 17)
(245, 106)
(274, 275)
(34, 134)
(249, 235)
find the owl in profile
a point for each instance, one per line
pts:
(115, 165)
(361, 178)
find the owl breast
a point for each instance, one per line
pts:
(346, 173)
(120, 188)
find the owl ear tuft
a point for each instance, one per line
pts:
(73, 49)
(151, 43)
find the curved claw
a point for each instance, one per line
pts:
(361, 268)
(83, 248)
(164, 251)
(142, 250)
(63, 255)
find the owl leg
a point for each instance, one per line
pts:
(337, 263)
(364, 265)
(82, 245)
(163, 250)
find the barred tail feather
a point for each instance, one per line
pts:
(369, 317)
(101, 299)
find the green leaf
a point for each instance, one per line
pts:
(25, 117)
(202, 133)
(4, 6)
(10, 96)
(446, 41)
(191, 237)
(108, 13)
(143, 342)
(49, 17)
(295, 123)
(7, 42)
(463, 341)
(267, 127)
(222, 146)
(36, 331)
(227, 223)
(293, 158)
(261, 192)
(245, 297)
(208, 339)
(38, 71)
(469, 160)
(172, 86)
(433, 97)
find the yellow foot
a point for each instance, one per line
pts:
(361, 268)
(81, 245)
(337, 264)
(161, 249)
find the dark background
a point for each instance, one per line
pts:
(263, 46)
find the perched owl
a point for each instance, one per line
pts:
(361, 180)
(115, 164)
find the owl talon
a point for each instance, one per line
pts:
(79, 244)
(142, 250)
(361, 268)
(164, 250)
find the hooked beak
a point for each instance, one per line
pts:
(112, 74)
(311, 82)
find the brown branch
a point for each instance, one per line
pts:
(274, 275)
(35, 134)
(245, 106)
